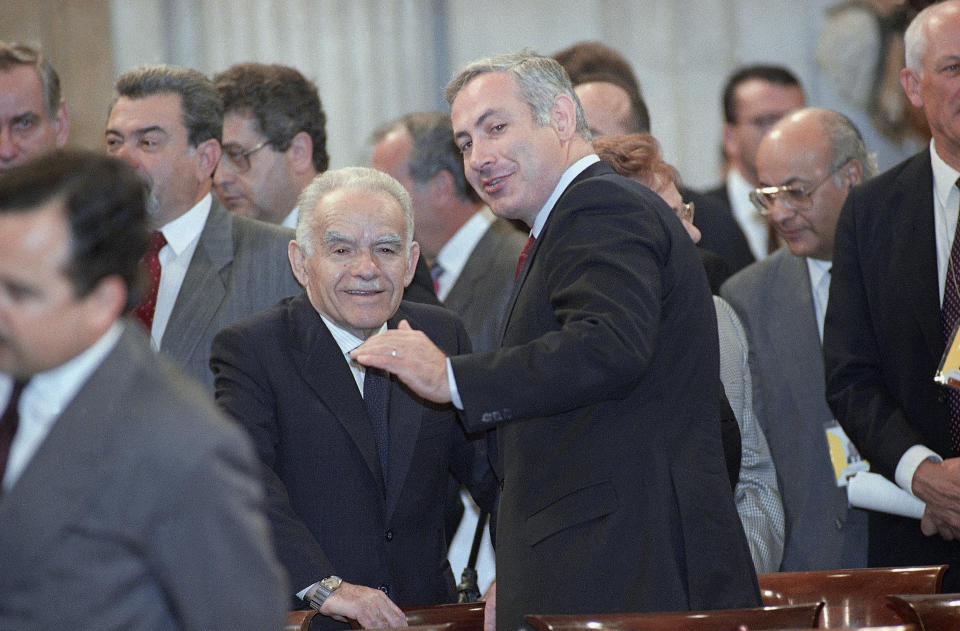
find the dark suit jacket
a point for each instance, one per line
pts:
(615, 496)
(282, 376)
(142, 508)
(240, 267)
(775, 303)
(882, 344)
(483, 289)
(721, 232)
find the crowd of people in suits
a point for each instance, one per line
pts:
(235, 382)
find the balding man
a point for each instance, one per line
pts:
(807, 164)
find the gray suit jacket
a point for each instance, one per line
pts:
(240, 267)
(142, 509)
(775, 302)
(756, 494)
(481, 292)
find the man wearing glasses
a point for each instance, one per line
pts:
(806, 166)
(207, 267)
(274, 140)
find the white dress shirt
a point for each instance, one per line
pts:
(182, 235)
(820, 288)
(452, 257)
(291, 220)
(753, 224)
(46, 396)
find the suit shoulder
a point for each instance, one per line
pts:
(245, 229)
(442, 326)
(903, 174)
(748, 283)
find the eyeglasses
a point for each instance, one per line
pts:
(793, 196)
(239, 158)
(685, 211)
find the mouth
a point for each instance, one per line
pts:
(363, 293)
(493, 185)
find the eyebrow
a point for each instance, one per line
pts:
(140, 132)
(477, 123)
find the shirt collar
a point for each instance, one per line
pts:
(818, 269)
(453, 256)
(186, 228)
(51, 391)
(944, 178)
(345, 340)
(568, 176)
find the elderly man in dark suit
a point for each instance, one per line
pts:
(210, 267)
(126, 495)
(809, 161)
(356, 464)
(892, 309)
(615, 496)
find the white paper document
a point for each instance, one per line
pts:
(874, 492)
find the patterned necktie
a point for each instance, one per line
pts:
(376, 395)
(151, 266)
(949, 315)
(524, 253)
(9, 423)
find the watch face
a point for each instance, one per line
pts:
(330, 583)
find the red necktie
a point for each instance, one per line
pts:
(151, 266)
(949, 315)
(524, 253)
(8, 424)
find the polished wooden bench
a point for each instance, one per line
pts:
(797, 616)
(299, 620)
(930, 612)
(852, 598)
(461, 616)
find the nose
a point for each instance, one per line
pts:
(780, 210)
(364, 264)
(223, 174)
(125, 153)
(480, 156)
(8, 147)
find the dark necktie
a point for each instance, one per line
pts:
(949, 315)
(151, 266)
(524, 253)
(436, 271)
(9, 423)
(376, 395)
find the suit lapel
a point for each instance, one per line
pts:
(914, 243)
(204, 286)
(405, 419)
(315, 352)
(595, 169)
(792, 301)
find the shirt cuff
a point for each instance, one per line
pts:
(908, 464)
(303, 592)
(452, 383)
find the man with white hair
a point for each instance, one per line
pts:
(894, 306)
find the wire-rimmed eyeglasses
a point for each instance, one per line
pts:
(239, 158)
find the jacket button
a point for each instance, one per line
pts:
(942, 396)
(389, 534)
(385, 589)
(838, 523)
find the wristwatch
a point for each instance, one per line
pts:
(324, 588)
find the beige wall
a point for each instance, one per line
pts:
(75, 36)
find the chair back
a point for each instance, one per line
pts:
(930, 612)
(852, 598)
(800, 616)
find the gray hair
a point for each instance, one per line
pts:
(200, 104)
(357, 178)
(846, 142)
(915, 37)
(13, 54)
(539, 78)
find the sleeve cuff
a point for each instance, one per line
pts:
(303, 592)
(452, 383)
(908, 464)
